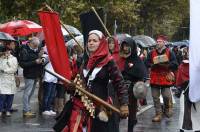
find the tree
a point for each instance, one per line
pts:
(149, 17)
(162, 17)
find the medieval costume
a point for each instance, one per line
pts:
(133, 71)
(114, 49)
(189, 112)
(162, 62)
(115, 52)
(98, 68)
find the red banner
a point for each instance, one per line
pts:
(54, 39)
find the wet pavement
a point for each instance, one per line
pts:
(145, 123)
(16, 123)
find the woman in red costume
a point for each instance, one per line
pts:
(97, 69)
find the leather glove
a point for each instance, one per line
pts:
(124, 111)
(70, 86)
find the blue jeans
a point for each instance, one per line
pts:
(6, 101)
(29, 89)
(48, 95)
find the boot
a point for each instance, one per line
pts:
(60, 105)
(168, 111)
(157, 118)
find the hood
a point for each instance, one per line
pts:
(101, 52)
(116, 42)
(133, 47)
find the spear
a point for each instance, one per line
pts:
(92, 96)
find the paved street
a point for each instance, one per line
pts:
(105, 40)
(16, 123)
(146, 125)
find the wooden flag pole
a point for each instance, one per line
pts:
(92, 96)
(50, 9)
(101, 21)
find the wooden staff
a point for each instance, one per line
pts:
(50, 9)
(92, 96)
(101, 21)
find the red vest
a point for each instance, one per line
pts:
(158, 74)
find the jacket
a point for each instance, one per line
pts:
(8, 67)
(134, 69)
(27, 57)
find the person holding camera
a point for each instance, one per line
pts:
(8, 68)
(30, 59)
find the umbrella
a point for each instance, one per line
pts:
(140, 43)
(71, 42)
(71, 29)
(181, 43)
(122, 36)
(6, 36)
(66, 35)
(20, 27)
(148, 41)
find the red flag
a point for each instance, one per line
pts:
(54, 39)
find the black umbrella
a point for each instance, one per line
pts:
(145, 41)
(121, 36)
(6, 37)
